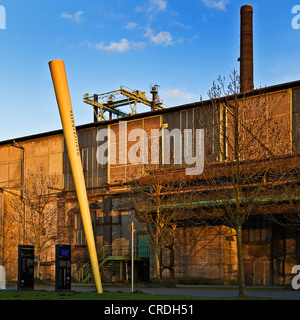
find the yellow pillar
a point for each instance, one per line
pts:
(61, 89)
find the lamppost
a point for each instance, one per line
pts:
(16, 145)
(131, 226)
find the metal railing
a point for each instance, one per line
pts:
(109, 253)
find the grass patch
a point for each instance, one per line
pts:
(77, 295)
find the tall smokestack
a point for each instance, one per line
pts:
(246, 58)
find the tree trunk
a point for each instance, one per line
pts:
(171, 266)
(157, 264)
(38, 267)
(241, 272)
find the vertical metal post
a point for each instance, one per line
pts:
(96, 109)
(121, 270)
(16, 145)
(132, 255)
(61, 88)
(154, 93)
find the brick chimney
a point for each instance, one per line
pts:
(246, 47)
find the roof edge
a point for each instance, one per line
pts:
(278, 87)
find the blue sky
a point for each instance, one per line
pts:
(183, 46)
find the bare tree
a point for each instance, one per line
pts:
(154, 199)
(39, 215)
(249, 139)
(8, 231)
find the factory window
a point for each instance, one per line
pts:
(186, 122)
(198, 118)
(172, 124)
(80, 238)
(87, 159)
(257, 229)
(95, 175)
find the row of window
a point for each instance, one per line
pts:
(96, 173)
(256, 229)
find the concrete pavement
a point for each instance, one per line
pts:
(205, 291)
(190, 290)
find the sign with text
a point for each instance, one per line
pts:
(62, 267)
(25, 267)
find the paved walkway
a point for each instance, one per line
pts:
(191, 290)
(206, 291)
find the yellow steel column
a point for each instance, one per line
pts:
(61, 88)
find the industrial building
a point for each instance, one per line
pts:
(200, 253)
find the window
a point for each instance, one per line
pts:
(80, 238)
(94, 174)
(87, 158)
(187, 122)
(257, 229)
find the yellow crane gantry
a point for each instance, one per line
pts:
(113, 100)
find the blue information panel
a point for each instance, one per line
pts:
(62, 267)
